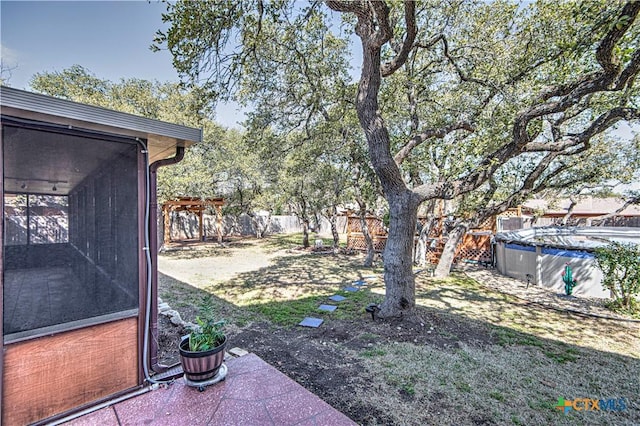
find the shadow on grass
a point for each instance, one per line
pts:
(480, 357)
(293, 241)
(291, 312)
(186, 299)
(291, 277)
(204, 249)
(462, 295)
(282, 242)
(283, 293)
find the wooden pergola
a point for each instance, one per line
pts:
(195, 206)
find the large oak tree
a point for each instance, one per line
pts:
(488, 83)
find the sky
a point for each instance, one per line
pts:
(109, 38)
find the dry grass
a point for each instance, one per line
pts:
(530, 356)
(421, 384)
(540, 355)
(290, 278)
(464, 296)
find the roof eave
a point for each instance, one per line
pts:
(162, 137)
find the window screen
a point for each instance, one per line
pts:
(71, 229)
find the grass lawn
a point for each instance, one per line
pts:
(475, 356)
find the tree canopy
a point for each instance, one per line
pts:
(254, 171)
(451, 95)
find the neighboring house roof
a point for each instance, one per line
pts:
(589, 206)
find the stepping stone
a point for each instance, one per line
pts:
(370, 278)
(311, 322)
(350, 289)
(238, 352)
(337, 298)
(328, 308)
(359, 283)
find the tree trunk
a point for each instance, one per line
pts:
(368, 261)
(626, 301)
(398, 266)
(403, 204)
(333, 219)
(267, 225)
(362, 213)
(449, 251)
(421, 246)
(256, 225)
(420, 258)
(305, 233)
(565, 219)
(261, 227)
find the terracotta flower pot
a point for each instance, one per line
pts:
(203, 365)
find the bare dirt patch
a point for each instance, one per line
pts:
(329, 360)
(196, 264)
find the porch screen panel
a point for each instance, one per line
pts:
(71, 203)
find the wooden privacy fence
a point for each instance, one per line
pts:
(355, 237)
(475, 246)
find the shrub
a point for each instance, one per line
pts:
(620, 265)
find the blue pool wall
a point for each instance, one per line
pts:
(529, 251)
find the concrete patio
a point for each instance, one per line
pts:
(254, 393)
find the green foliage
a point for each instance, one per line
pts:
(302, 173)
(562, 355)
(498, 396)
(293, 64)
(619, 307)
(209, 332)
(209, 169)
(160, 101)
(508, 337)
(226, 163)
(290, 312)
(75, 84)
(620, 265)
(370, 353)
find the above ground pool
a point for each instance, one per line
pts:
(539, 255)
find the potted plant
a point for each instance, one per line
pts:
(202, 351)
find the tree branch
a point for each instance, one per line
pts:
(630, 72)
(599, 125)
(428, 134)
(627, 203)
(572, 205)
(346, 6)
(461, 75)
(383, 31)
(564, 97)
(604, 52)
(390, 67)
